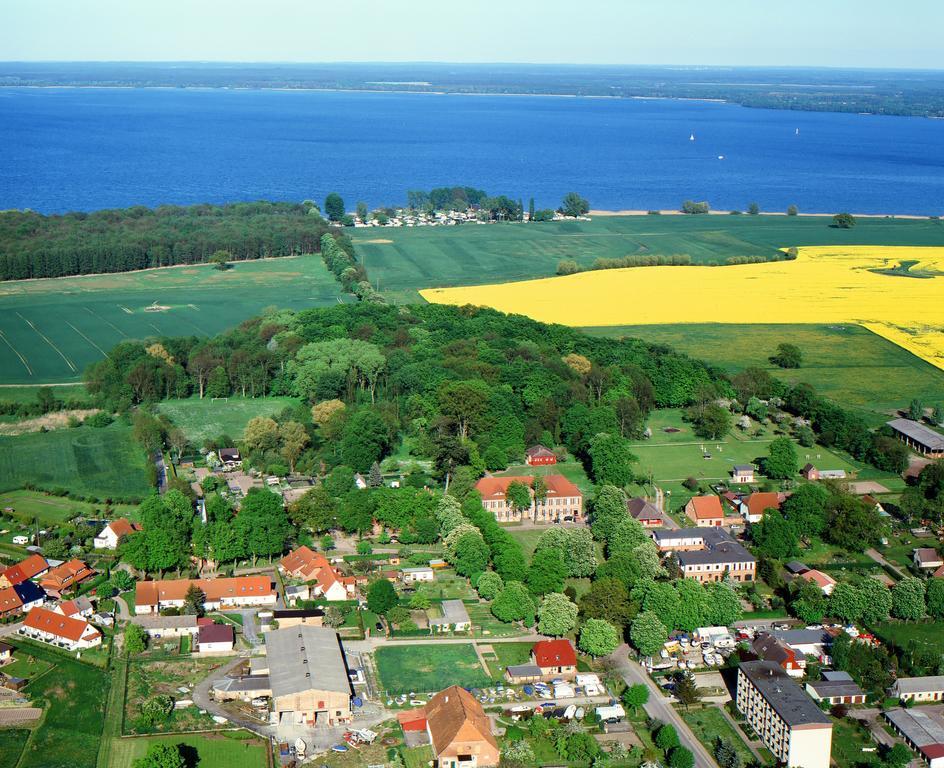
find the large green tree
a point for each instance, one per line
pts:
(648, 633)
(781, 461)
(598, 637)
(557, 615)
(514, 603)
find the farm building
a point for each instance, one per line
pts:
(457, 728)
(308, 677)
(705, 511)
(309, 617)
(167, 626)
(539, 456)
(563, 503)
(114, 532)
(919, 689)
(918, 437)
(922, 731)
(455, 618)
(153, 596)
(55, 629)
(65, 577)
(29, 568)
(836, 688)
(645, 513)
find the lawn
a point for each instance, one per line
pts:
(27, 393)
(903, 634)
(708, 724)
(223, 750)
(845, 363)
(508, 654)
(12, 741)
(208, 418)
(105, 463)
(73, 695)
(406, 259)
(49, 510)
(849, 737)
(417, 757)
(50, 330)
(428, 667)
(27, 665)
(571, 469)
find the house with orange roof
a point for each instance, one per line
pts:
(458, 729)
(753, 506)
(114, 532)
(66, 576)
(705, 511)
(327, 581)
(30, 568)
(824, 581)
(79, 608)
(234, 592)
(563, 501)
(63, 631)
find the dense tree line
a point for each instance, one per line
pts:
(33, 245)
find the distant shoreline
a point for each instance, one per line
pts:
(672, 212)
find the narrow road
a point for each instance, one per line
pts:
(659, 707)
(123, 613)
(877, 557)
(161, 472)
(201, 697)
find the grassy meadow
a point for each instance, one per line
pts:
(105, 463)
(846, 363)
(50, 330)
(49, 510)
(405, 260)
(207, 418)
(423, 668)
(223, 750)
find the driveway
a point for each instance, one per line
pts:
(877, 557)
(201, 697)
(658, 706)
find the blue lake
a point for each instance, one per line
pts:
(83, 149)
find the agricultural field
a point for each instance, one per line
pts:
(50, 330)
(147, 679)
(73, 695)
(49, 510)
(104, 463)
(832, 285)
(223, 750)
(210, 418)
(26, 393)
(428, 667)
(406, 260)
(845, 363)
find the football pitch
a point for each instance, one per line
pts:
(50, 330)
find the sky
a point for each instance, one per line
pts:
(837, 33)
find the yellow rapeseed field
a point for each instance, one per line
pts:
(825, 284)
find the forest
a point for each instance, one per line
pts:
(33, 245)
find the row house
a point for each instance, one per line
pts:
(67, 632)
(235, 592)
(65, 577)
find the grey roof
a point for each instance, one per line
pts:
(744, 467)
(524, 670)
(165, 622)
(919, 684)
(931, 440)
(826, 688)
(920, 729)
(306, 658)
(785, 697)
(720, 548)
(247, 684)
(682, 533)
(836, 675)
(454, 612)
(803, 636)
(795, 566)
(639, 507)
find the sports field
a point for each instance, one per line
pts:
(846, 363)
(224, 750)
(210, 418)
(50, 330)
(105, 463)
(834, 285)
(405, 260)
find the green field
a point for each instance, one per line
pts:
(708, 724)
(49, 510)
(12, 741)
(406, 259)
(429, 667)
(26, 393)
(847, 363)
(202, 751)
(73, 695)
(206, 419)
(903, 634)
(105, 463)
(50, 330)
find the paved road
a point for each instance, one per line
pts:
(658, 706)
(877, 557)
(9, 629)
(123, 613)
(201, 697)
(161, 472)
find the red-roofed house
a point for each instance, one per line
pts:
(706, 511)
(10, 603)
(311, 566)
(65, 576)
(555, 658)
(112, 533)
(563, 503)
(30, 568)
(753, 506)
(63, 631)
(822, 580)
(152, 596)
(539, 456)
(215, 638)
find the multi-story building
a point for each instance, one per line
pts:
(707, 554)
(563, 501)
(791, 725)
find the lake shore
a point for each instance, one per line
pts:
(670, 212)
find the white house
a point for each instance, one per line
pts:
(63, 631)
(167, 626)
(113, 532)
(215, 638)
(411, 575)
